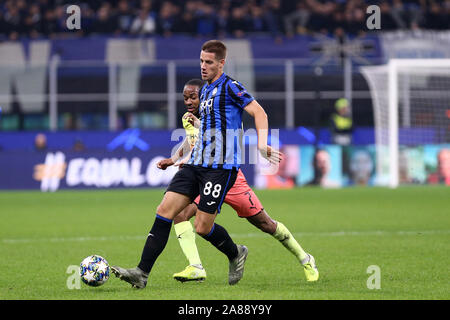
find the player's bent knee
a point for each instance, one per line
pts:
(203, 223)
(163, 211)
(202, 229)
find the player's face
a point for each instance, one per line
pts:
(191, 98)
(211, 68)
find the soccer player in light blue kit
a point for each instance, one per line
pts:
(211, 171)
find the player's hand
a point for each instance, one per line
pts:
(192, 119)
(272, 155)
(164, 164)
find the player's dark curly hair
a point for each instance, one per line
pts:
(195, 82)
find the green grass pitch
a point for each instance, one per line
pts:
(405, 232)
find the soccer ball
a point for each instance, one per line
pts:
(94, 270)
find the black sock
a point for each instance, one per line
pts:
(156, 242)
(220, 239)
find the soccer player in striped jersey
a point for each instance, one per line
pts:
(240, 197)
(211, 171)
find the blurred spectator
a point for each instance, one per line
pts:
(187, 24)
(238, 22)
(88, 18)
(320, 13)
(104, 24)
(167, 19)
(386, 16)
(33, 21)
(13, 23)
(436, 16)
(124, 17)
(146, 5)
(60, 18)
(273, 17)
(40, 142)
(205, 17)
(222, 27)
(49, 24)
(337, 23)
(341, 123)
(145, 22)
(356, 21)
(407, 13)
(257, 24)
(297, 21)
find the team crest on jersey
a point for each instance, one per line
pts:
(214, 92)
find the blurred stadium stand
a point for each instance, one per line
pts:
(210, 18)
(127, 64)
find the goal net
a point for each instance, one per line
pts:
(411, 104)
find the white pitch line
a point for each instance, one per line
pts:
(235, 235)
(349, 233)
(73, 239)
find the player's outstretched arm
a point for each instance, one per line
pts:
(184, 148)
(184, 160)
(262, 129)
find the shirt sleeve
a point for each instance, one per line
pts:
(238, 94)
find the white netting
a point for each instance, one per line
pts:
(411, 103)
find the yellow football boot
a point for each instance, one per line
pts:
(310, 268)
(191, 273)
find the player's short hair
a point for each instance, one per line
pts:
(195, 82)
(217, 47)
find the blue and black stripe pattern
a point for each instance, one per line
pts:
(219, 141)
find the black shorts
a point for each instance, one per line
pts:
(211, 184)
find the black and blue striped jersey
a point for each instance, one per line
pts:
(219, 143)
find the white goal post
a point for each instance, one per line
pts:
(411, 104)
